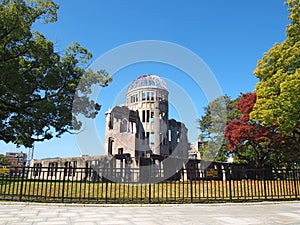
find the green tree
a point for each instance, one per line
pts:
(38, 85)
(278, 89)
(3, 160)
(258, 145)
(211, 126)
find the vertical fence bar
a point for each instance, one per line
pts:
(13, 187)
(5, 178)
(149, 189)
(22, 183)
(295, 183)
(35, 190)
(265, 185)
(63, 185)
(15, 192)
(290, 188)
(191, 185)
(55, 185)
(183, 181)
(106, 190)
(282, 184)
(1, 184)
(167, 190)
(230, 188)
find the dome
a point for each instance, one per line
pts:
(148, 80)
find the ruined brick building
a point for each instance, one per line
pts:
(137, 134)
(141, 127)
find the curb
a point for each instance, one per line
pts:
(3, 203)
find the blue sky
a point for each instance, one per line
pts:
(229, 36)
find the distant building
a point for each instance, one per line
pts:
(16, 159)
(194, 150)
(141, 127)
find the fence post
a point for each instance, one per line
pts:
(22, 183)
(295, 183)
(149, 192)
(265, 185)
(106, 187)
(191, 184)
(230, 188)
(63, 185)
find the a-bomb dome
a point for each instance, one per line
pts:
(149, 80)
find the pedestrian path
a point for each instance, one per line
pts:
(12, 213)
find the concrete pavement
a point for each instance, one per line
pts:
(12, 213)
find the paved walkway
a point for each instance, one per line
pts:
(238, 213)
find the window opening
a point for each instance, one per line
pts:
(152, 138)
(151, 117)
(120, 150)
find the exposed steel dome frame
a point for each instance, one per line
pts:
(149, 80)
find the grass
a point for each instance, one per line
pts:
(166, 192)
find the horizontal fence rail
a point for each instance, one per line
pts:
(84, 185)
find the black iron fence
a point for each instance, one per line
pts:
(84, 185)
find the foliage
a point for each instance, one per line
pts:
(3, 160)
(278, 89)
(38, 84)
(258, 145)
(245, 137)
(211, 125)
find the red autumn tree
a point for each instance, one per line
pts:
(250, 141)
